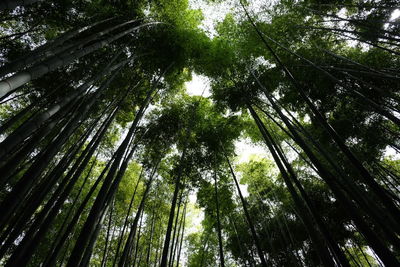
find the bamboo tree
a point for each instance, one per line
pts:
(149, 248)
(10, 84)
(319, 244)
(56, 46)
(355, 92)
(171, 259)
(344, 182)
(33, 108)
(89, 249)
(9, 204)
(238, 240)
(30, 243)
(175, 244)
(389, 226)
(129, 242)
(164, 259)
(373, 239)
(23, 131)
(183, 233)
(105, 251)
(109, 186)
(57, 210)
(126, 219)
(181, 167)
(246, 212)
(137, 246)
(70, 211)
(221, 252)
(57, 248)
(16, 223)
(368, 179)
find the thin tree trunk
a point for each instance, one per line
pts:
(104, 259)
(89, 249)
(370, 207)
(164, 259)
(370, 102)
(126, 219)
(204, 250)
(44, 100)
(152, 225)
(221, 251)
(183, 233)
(70, 211)
(175, 244)
(239, 242)
(23, 131)
(46, 184)
(175, 227)
(129, 242)
(246, 212)
(167, 240)
(137, 247)
(345, 183)
(19, 220)
(159, 243)
(339, 255)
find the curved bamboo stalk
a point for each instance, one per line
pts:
(10, 84)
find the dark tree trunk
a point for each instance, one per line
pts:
(171, 259)
(183, 233)
(219, 230)
(129, 242)
(126, 220)
(246, 212)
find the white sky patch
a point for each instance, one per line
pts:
(195, 214)
(216, 12)
(194, 217)
(244, 148)
(243, 188)
(391, 153)
(213, 13)
(199, 85)
(395, 15)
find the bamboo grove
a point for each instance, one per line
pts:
(106, 160)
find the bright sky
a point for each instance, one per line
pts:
(213, 13)
(395, 14)
(198, 85)
(216, 12)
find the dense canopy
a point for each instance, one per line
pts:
(107, 158)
